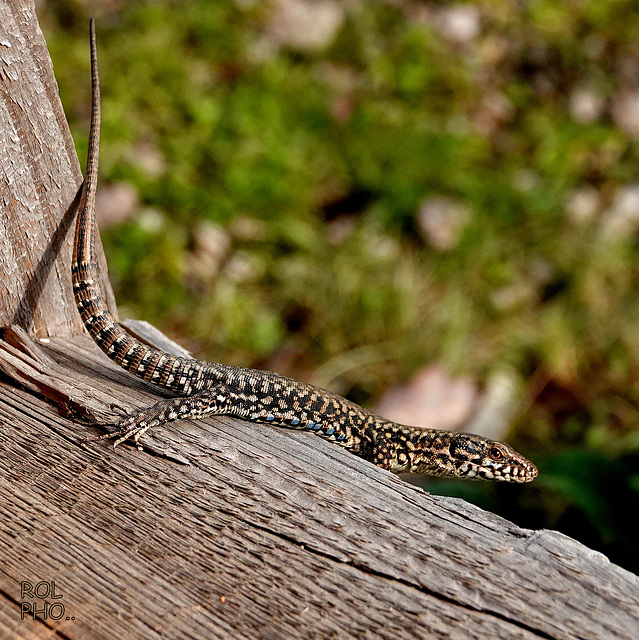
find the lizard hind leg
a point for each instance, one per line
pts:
(214, 400)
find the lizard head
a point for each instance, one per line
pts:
(466, 455)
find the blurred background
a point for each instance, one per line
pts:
(429, 207)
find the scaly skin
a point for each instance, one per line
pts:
(263, 396)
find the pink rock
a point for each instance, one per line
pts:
(116, 203)
(432, 399)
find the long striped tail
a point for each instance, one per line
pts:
(182, 375)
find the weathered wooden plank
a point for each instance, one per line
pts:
(270, 533)
(39, 179)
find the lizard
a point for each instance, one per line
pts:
(207, 388)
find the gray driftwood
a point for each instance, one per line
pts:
(265, 533)
(227, 529)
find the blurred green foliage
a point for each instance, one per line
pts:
(315, 163)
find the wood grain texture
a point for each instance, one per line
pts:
(39, 179)
(267, 533)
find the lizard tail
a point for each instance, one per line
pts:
(182, 375)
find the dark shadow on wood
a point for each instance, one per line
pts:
(29, 301)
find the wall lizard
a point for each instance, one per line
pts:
(261, 396)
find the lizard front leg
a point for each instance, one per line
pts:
(215, 400)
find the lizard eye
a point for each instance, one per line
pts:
(495, 453)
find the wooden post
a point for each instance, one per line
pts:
(235, 530)
(39, 179)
